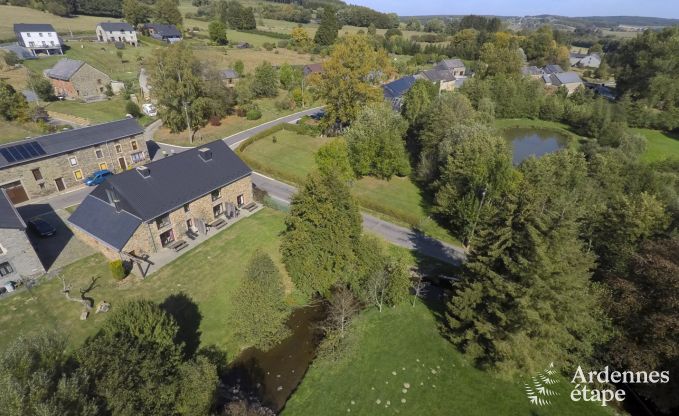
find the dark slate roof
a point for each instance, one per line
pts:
(33, 27)
(397, 88)
(70, 140)
(9, 217)
(312, 69)
(436, 75)
(532, 70)
(553, 69)
(174, 181)
(450, 64)
(169, 31)
(229, 74)
(64, 69)
(100, 219)
(567, 78)
(116, 26)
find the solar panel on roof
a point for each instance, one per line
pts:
(7, 155)
(22, 151)
(14, 153)
(38, 148)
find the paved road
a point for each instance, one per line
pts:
(393, 233)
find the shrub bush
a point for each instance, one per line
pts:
(117, 269)
(283, 43)
(133, 109)
(268, 46)
(253, 114)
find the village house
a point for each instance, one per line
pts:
(585, 61)
(151, 208)
(455, 65)
(395, 90)
(116, 32)
(77, 80)
(229, 77)
(38, 38)
(59, 162)
(445, 78)
(17, 256)
(552, 69)
(532, 71)
(166, 33)
(570, 80)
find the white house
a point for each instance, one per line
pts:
(39, 38)
(116, 32)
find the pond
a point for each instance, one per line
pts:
(527, 142)
(270, 377)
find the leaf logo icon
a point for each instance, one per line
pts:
(537, 391)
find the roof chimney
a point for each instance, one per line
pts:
(205, 154)
(144, 171)
(113, 199)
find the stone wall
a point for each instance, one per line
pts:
(87, 161)
(107, 251)
(16, 248)
(63, 88)
(90, 82)
(147, 237)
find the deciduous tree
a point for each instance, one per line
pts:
(333, 159)
(327, 31)
(350, 79)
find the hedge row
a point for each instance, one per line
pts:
(296, 128)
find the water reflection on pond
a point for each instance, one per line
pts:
(272, 376)
(527, 142)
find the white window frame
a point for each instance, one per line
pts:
(71, 159)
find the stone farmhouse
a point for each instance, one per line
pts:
(58, 162)
(455, 65)
(75, 79)
(229, 77)
(150, 208)
(38, 38)
(117, 32)
(395, 90)
(166, 33)
(17, 256)
(570, 80)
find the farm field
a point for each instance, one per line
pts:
(208, 274)
(415, 372)
(63, 25)
(291, 158)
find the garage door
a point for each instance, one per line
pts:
(15, 192)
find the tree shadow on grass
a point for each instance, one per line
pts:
(185, 311)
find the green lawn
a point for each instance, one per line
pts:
(11, 131)
(97, 112)
(208, 274)
(101, 56)
(403, 345)
(291, 158)
(659, 145)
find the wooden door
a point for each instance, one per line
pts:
(16, 192)
(60, 184)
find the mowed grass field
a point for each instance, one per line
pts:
(659, 145)
(208, 274)
(402, 349)
(292, 157)
(11, 131)
(101, 56)
(96, 112)
(63, 25)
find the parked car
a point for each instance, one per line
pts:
(41, 227)
(149, 109)
(97, 177)
(9, 287)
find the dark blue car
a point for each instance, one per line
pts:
(97, 177)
